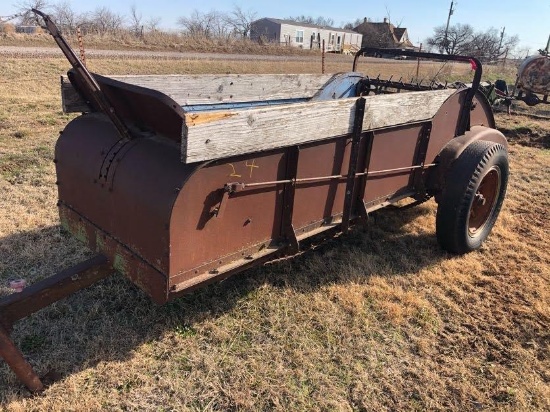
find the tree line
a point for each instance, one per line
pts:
(464, 39)
(236, 23)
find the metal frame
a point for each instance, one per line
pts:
(292, 155)
(464, 122)
(37, 296)
(352, 168)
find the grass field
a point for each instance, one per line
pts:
(380, 319)
(159, 41)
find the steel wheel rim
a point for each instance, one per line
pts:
(484, 202)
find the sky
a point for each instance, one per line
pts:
(529, 19)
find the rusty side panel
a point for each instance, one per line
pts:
(250, 218)
(147, 108)
(202, 241)
(317, 201)
(123, 190)
(128, 191)
(482, 114)
(445, 122)
(122, 259)
(391, 148)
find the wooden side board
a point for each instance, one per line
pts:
(218, 134)
(215, 134)
(212, 88)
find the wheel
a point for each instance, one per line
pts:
(471, 200)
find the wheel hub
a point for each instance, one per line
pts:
(484, 201)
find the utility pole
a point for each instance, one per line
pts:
(547, 46)
(501, 40)
(451, 11)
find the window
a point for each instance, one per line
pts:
(299, 36)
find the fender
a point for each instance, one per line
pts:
(436, 180)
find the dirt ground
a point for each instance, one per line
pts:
(381, 319)
(525, 130)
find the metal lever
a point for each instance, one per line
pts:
(93, 89)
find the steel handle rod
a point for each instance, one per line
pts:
(93, 89)
(332, 177)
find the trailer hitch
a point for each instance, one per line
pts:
(84, 78)
(22, 304)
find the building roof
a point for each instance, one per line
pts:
(301, 24)
(385, 28)
(399, 31)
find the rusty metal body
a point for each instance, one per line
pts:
(156, 218)
(171, 227)
(534, 75)
(533, 81)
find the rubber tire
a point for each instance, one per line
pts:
(462, 182)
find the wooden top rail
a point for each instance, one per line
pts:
(212, 88)
(207, 135)
(224, 133)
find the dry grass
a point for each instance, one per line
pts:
(381, 319)
(155, 41)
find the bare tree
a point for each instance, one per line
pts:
(319, 21)
(208, 25)
(104, 21)
(324, 21)
(301, 19)
(522, 52)
(152, 24)
(462, 39)
(136, 18)
(198, 24)
(458, 38)
(26, 16)
(241, 20)
(65, 17)
(351, 25)
(509, 44)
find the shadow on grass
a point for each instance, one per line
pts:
(109, 320)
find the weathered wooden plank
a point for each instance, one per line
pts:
(227, 133)
(213, 88)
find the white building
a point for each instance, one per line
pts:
(305, 35)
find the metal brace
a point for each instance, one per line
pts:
(229, 188)
(354, 155)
